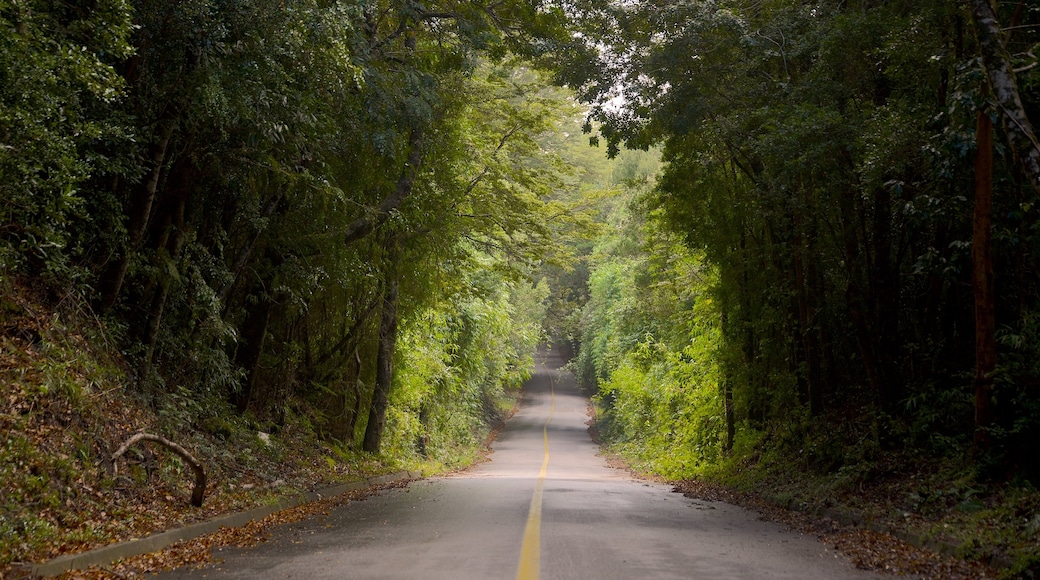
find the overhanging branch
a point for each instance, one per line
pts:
(367, 224)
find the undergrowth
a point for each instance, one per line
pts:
(68, 404)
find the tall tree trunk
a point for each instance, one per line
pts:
(982, 277)
(854, 294)
(749, 342)
(727, 395)
(731, 419)
(171, 243)
(251, 346)
(344, 431)
(345, 398)
(385, 355)
(422, 438)
(170, 239)
(886, 302)
(140, 212)
(814, 340)
(808, 346)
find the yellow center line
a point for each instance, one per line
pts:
(530, 551)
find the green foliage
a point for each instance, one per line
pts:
(236, 186)
(820, 165)
(650, 345)
(57, 84)
(817, 162)
(457, 361)
(201, 162)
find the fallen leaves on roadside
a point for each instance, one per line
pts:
(199, 551)
(867, 549)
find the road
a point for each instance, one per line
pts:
(545, 506)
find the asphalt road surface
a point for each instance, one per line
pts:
(545, 506)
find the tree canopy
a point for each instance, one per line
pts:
(818, 236)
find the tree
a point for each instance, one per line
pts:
(388, 322)
(982, 281)
(1023, 143)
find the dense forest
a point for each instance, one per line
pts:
(840, 247)
(833, 275)
(263, 200)
(309, 220)
(817, 241)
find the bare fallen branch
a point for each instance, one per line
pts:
(200, 473)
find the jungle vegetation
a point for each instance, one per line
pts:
(818, 238)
